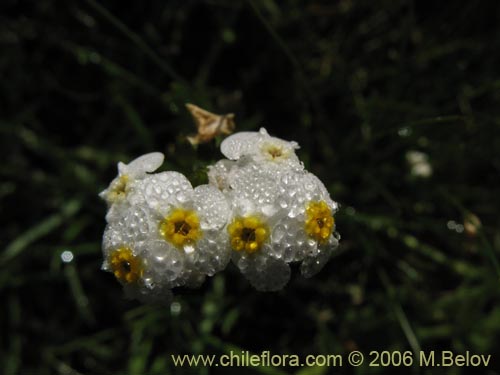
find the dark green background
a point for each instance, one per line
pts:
(85, 84)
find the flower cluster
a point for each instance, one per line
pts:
(261, 209)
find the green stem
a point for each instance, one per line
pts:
(137, 40)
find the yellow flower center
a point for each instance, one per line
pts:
(119, 189)
(181, 227)
(126, 267)
(319, 221)
(275, 152)
(247, 234)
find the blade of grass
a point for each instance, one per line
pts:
(488, 251)
(112, 68)
(137, 40)
(309, 94)
(381, 224)
(79, 296)
(391, 130)
(41, 229)
(13, 355)
(135, 120)
(399, 312)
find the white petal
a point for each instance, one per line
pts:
(112, 239)
(289, 240)
(164, 264)
(266, 273)
(218, 173)
(129, 226)
(265, 150)
(122, 168)
(263, 131)
(251, 183)
(242, 206)
(313, 264)
(116, 212)
(140, 223)
(143, 164)
(298, 189)
(212, 207)
(240, 144)
(103, 194)
(212, 252)
(160, 189)
(313, 183)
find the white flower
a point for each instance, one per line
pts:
(278, 218)
(135, 265)
(128, 174)
(219, 172)
(261, 209)
(262, 148)
(166, 234)
(419, 164)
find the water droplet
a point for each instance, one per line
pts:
(404, 131)
(350, 211)
(188, 249)
(243, 263)
(278, 233)
(175, 308)
(67, 256)
(182, 197)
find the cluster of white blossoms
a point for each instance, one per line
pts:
(261, 209)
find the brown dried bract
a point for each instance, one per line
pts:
(209, 124)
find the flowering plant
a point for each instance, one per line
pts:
(261, 209)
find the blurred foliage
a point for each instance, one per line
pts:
(359, 84)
